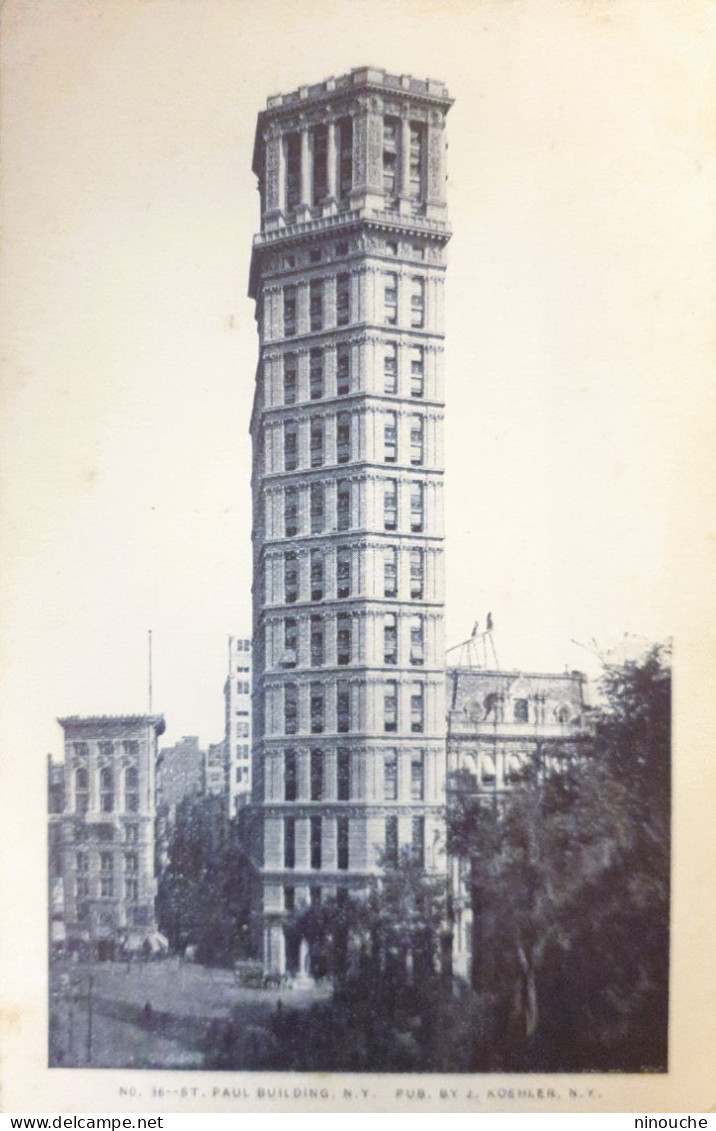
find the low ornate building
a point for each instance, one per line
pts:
(103, 831)
(499, 724)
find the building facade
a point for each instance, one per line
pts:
(237, 726)
(103, 832)
(500, 723)
(179, 774)
(349, 694)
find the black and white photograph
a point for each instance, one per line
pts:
(356, 428)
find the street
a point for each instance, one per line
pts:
(164, 1014)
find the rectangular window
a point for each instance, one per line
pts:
(315, 374)
(290, 516)
(290, 299)
(417, 708)
(131, 889)
(131, 785)
(416, 575)
(390, 706)
(316, 443)
(316, 842)
(417, 776)
(82, 887)
(390, 775)
(417, 644)
(391, 134)
(290, 378)
(390, 299)
(289, 658)
(343, 707)
(417, 303)
(290, 776)
(315, 300)
(416, 507)
(343, 639)
(106, 790)
(82, 862)
(316, 775)
(290, 577)
(417, 147)
(106, 876)
(289, 842)
(316, 642)
(342, 833)
(390, 639)
(416, 440)
(390, 368)
(344, 774)
(290, 709)
(390, 437)
(343, 438)
(345, 143)
(417, 371)
(315, 895)
(390, 571)
(391, 842)
(317, 568)
(343, 369)
(320, 163)
(343, 300)
(390, 504)
(343, 501)
(418, 841)
(290, 446)
(289, 897)
(317, 708)
(317, 508)
(343, 573)
(293, 170)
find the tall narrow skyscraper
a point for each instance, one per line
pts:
(349, 684)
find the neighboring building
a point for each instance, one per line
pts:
(499, 723)
(180, 774)
(55, 881)
(215, 777)
(237, 729)
(349, 697)
(103, 836)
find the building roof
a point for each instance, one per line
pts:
(91, 722)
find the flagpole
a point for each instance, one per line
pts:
(150, 671)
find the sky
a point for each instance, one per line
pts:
(579, 313)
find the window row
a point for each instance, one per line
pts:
(327, 440)
(106, 877)
(314, 170)
(346, 785)
(318, 290)
(336, 301)
(316, 856)
(107, 795)
(361, 502)
(340, 694)
(328, 641)
(344, 583)
(403, 158)
(318, 385)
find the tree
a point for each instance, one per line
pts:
(203, 896)
(382, 950)
(569, 880)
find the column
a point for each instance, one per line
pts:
(331, 162)
(304, 208)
